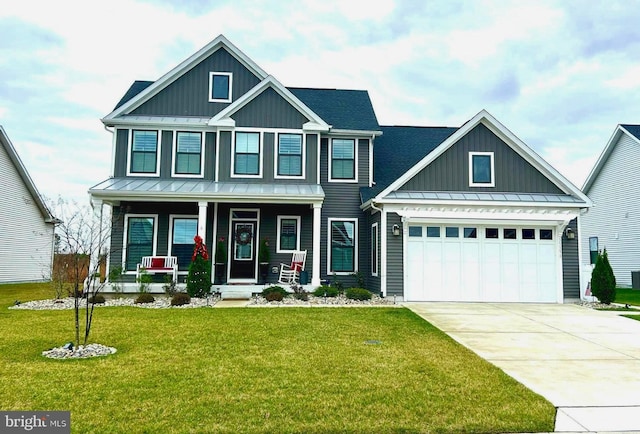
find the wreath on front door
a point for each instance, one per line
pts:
(243, 235)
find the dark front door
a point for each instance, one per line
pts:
(243, 250)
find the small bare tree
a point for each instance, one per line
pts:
(84, 236)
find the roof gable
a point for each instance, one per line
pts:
(507, 137)
(24, 175)
(632, 131)
(145, 93)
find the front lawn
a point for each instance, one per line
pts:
(628, 296)
(260, 370)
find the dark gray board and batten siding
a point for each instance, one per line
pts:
(395, 276)
(570, 264)
(269, 110)
(189, 94)
(450, 171)
(342, 200)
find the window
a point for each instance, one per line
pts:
(470, 233)
(220, 85)
(289, 155)
(433, 232)
(140, 234)
(509, 234)
(415, 231)
(247, 154)
(144, 152)
(546, 234)
(343, 244)
(188, 154)
(481, 173)
(491, 233)
(374, 249)
(288, 234)
(593, 249)
(343, 159)
(452, 232)
(182, 232)
(528, 234)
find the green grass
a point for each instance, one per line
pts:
(628, 296)
(259, 370)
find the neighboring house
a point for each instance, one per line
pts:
(220, 148)
(614, 221)
(26, 224)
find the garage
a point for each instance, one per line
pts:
(491, 262)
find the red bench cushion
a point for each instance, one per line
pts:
(157, 262)
(296, 266)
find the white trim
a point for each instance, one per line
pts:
(318, 157)
(276, 153)
(491, 183)
(355, 245)
(215, 243)
(355, 160)
(125, 235)
(223, 118)
(232, 173)
(383, 252)
(183, 68)
(509, 138)
(217, 152)
(375, 250)
(230, 90)
(174, 155)
(172, 217)
(317, 230)
(371, 161)
(130, 150)
(231, 255)
(298, 229)
(114, 142)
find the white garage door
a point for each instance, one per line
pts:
(481, 263)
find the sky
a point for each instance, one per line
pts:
(560, 75)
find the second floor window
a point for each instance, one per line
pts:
(220, 85)
(188, 160)
(247, 154)
(290, 155)
(343, 161)
(144, 149)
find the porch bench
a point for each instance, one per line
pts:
(158, 264)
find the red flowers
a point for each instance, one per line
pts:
(199, 249)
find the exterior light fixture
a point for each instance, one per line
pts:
(395, 230)
(570, 234)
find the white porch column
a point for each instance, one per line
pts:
(315, 270)
(202, 219)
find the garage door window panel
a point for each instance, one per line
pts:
(528, 234)
(470, 233)
(415, 231)
(452, 232)
(491, 233)
(433, 232)
(546, 234)
(509, 234)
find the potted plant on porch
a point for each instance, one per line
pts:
(264, 256)
(221, 260)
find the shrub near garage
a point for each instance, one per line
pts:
(180, 299)
(358, 294)
(603, 281)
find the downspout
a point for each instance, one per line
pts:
(113, 151)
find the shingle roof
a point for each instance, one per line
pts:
(633, 129)
(340, 108)
(137, 87)
(399, 149)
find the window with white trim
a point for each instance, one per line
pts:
(289, 161)
(246, 154)
(288, 234)
(342, 160)
(144, 152)
(481, 169)
(374, 249)
(220, 86)
(183, 230)
(138, 239)
(188, 153)
(343, 245)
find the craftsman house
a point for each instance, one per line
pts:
(26, 224)
(220, 148)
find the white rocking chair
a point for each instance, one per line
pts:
(290, 274)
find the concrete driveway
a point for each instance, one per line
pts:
(585, 362)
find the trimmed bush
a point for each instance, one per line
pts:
(97, 299)
(274, 293)
(603, 281)
(326, 291)
(145, 297)
(358, 294)
(180, 299)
